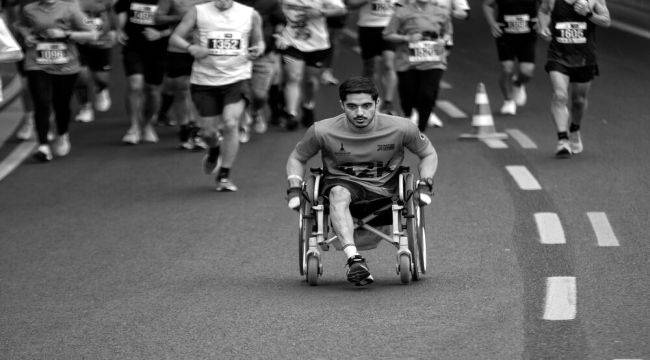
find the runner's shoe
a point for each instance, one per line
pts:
(61, 145)
(244, 133)
(520, 96)
(307, 116)
(563, 149)
(290, 121)
(434, 120)
(225, 184)
(328, 78)
(415, 117)
(212, 160)
(509, 107)
(132, 136)
(43, 153)
(575, 141)
(26, 130)
(358, 272)
(149, 134)
(103, 100)
(259, 123)
(85, 114)
(198, 143)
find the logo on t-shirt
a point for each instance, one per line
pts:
(385, 147)
(342, 151)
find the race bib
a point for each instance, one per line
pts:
(52, 53)
(381, 8)
(425, 51)
(516, 24)
(571, 32)
(95, 23)
(143, 14)
(225, 43)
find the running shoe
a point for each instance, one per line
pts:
(149, 134)
(225, 184)
(358, 272)
(291, 123)
(307, 116)
(43, 153)
(212, 160)
(520, 96)
(132, 136)
(259, 123)
(434, 120)
(26, 130)
(61, 145)
(563, 149)
(244, 133)
(85, 114)
(509, 108)
(198, 143)
(415, 117)
(103, 100)
(328, 78)
(575, 141)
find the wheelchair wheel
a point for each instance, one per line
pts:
(405, 268)
(312, 270)
(412, 225)
(305, 224)
(422, 240)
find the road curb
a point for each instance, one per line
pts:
(10, 92)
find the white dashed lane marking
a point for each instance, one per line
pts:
(604, 233)
(449, 108)
(523, 177)
(495, 143)
(523, 139)
(549, 228)
(16, 157)
(561, 295)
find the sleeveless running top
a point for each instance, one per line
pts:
(574, 39)
(376, 13)
(225, 34)
(517, 15)
(310, 34)
(369, 157)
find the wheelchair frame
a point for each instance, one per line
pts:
(407, 233)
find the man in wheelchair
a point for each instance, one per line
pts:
(362, 152)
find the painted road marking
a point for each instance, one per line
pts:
(523, 139)
(561, 295)
(445, 85)
(495, 143)
(603, 229)
(549, 228)
(631, 29)
(523, 177)
(16, 157)
(450, 109)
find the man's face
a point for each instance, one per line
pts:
(223, 4)
(360, 109)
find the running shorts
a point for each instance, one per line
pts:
(210, 100)
(96, 59)
(146, 59)
(517, 47)
(580, 74)
(372, 43)
(178, 64)
(315, 59)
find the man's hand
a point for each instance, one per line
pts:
(293, 197)
(280, 42)
(122, 37)
(496, 30)
(545, 33)
(197, 51)
(425, 191)
(151, 34)
(54, 33)
(255, 51)
(581, 7)
(414, 37)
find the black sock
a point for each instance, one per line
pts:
(223, 173)
(166, 101)
(562, 135)
(574, 127)
(213, 153)
(184, 133)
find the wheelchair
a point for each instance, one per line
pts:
(398, 220)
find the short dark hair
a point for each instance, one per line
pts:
(358, 85)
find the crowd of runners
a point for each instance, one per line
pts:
(220, 69)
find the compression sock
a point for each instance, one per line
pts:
(562, 135)
(574, 127)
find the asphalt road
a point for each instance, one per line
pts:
(127, 252)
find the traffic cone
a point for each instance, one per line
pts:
(482, 120)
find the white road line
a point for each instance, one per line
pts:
(16, 157)
(561, 296)
(450, 109)
(549, 228)
(523, 177)
(631, 29)
(523, 139)
(495, 143)
(602, 228)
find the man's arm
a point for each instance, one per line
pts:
(600, 14)
(428, 165)
(295, 169)
(183, 29)
(489, 10)
(544, 19)
(256, 41)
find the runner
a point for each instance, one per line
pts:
(335, 25)
(178, 68)
(421, 31)
(50, 29)
(95, 58)
(570, 27)
(377, 54)
(145, 44)
(228, 36)
(512, 23)
(304, 44)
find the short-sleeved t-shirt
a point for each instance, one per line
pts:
(370, 156)
(54, 56)
(100, 16)
(141, 14)
(304, 34)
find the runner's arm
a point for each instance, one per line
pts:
(600, 14)
(83, 31)
(256, 36)
(183, 29)
(544, 19)
(489, 10)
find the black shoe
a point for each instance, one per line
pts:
(290, 121)
(358, 272)
(307, 116)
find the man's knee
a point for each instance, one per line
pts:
(560, 97)
(136, 83)
(339, 196)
